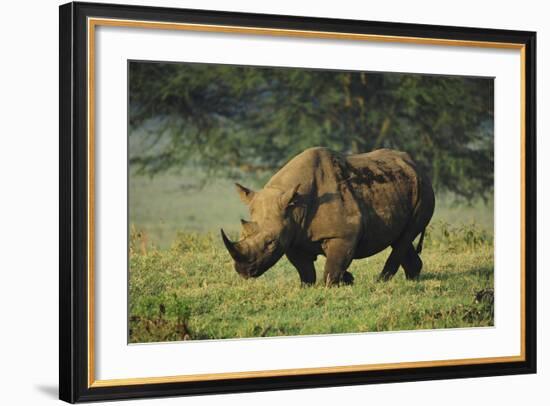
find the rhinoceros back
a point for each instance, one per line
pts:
(392, 190)
(367, 197)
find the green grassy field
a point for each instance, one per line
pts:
(182, 284)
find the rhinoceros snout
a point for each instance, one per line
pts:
(247, 271)
(243, 270)
(243, 275)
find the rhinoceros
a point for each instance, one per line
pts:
(344, 207)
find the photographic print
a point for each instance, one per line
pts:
(276, 201)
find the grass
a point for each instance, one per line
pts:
(182, 285)
(191, 292)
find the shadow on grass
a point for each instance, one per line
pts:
(484, 272)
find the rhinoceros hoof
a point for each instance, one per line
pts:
(413, 276)
(347, 278)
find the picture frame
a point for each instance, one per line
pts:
(79, 22)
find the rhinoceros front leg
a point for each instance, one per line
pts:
(339, 255)
(303, 262)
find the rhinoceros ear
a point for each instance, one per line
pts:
(245, 194)
(289, 197)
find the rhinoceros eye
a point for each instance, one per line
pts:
(270, 244)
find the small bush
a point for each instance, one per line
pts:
(448, 237)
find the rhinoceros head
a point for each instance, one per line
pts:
(265, 238)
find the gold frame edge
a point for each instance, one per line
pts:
(91, 25)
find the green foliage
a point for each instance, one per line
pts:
(458, 237)
(191, 291)
(232, 120)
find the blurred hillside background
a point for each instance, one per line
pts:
(195, 129)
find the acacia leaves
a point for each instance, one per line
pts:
(233, 119)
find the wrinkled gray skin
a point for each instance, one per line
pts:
(342, 207)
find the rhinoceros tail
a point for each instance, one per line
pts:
(419, 246)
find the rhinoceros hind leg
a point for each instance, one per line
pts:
(397, 256)
(339, 254)
(304, 265)
(411, 263)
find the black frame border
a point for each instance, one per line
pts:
(73, 202)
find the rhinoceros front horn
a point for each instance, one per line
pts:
(232, 248)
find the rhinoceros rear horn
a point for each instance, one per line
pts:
(249, 227)
(232, 248)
